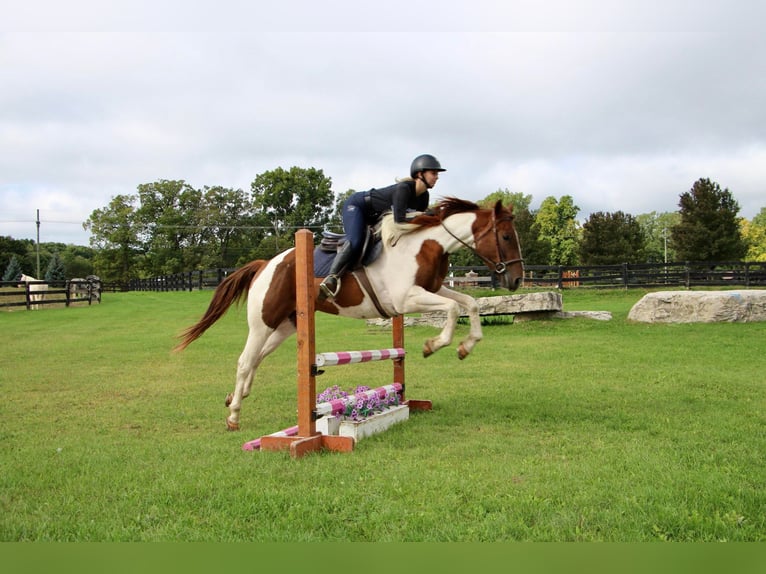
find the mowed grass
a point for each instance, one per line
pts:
(559, 430)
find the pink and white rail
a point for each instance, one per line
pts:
(349, 357)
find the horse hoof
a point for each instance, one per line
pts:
(232, 426)
(427, 351)
(461, 352)
(228, 400)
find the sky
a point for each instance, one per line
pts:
(622, 105)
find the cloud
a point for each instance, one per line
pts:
(620, 106)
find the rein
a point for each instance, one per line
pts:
(498, 266)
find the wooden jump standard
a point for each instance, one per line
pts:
(305, 438)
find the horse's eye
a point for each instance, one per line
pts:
(506, 237)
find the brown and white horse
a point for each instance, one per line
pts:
(407, 277)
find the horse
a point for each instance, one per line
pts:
(407, 277)
(36, 290)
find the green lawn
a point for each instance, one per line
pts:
(560, 430)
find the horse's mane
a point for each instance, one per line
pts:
(445, 208)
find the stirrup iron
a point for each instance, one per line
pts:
(325, 290)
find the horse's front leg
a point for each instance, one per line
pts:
(421, 301)
(472, 309)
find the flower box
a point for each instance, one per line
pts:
(358, 430)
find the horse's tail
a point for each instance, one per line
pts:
(232, 289)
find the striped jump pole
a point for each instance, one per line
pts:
(349, 357)
(256, 444)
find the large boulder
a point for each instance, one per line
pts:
(524, 306)
(700, 307)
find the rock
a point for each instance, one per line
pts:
(700, 307)
(597, 315)
(524, 306)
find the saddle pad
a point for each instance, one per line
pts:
(322, 262)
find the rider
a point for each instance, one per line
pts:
(364, 208)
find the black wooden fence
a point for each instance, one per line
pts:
(671, 275)
(23, 294)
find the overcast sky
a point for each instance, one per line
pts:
(621, 104)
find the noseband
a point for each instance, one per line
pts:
(499, 266)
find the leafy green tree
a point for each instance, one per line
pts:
(10, 248)
(294, 199)
(611, 238)
(170, 222)
(754, 234)
(559, 229)
(78, 261)
(517, 199)
(55, 270)
(114, 234)
(656, 228)
(13, 270)
(228, 227)
(708, 229)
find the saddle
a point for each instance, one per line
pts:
(328, 246)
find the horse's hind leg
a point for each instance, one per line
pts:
(256, 349)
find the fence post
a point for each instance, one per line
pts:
(625, 276)
(561, 277)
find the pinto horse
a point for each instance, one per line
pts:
(407, 277)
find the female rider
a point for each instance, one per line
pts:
(364, 208)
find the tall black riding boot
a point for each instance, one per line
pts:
(331, 285)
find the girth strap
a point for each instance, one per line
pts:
(361, 276)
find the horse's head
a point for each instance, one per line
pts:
(497, 243)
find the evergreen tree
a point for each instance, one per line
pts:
(708, 229)
(55, 270)
(13, 271)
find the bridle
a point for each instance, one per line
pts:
(500, 265)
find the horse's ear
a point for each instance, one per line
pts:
(499, 209)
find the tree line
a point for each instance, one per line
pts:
(170, 227)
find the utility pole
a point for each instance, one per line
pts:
(38, 245)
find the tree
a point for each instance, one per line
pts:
(517, 199)
(290, 200)
(78, 261)
(170, 222)
(559, 229)
(55, 270)
(13, 271)
(610, 238)
(657, 241)
(228, 226)
(708, 229)
(114, 234)
(754, 234)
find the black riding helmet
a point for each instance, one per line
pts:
(424, 163)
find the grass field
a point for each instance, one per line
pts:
(560, 430)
